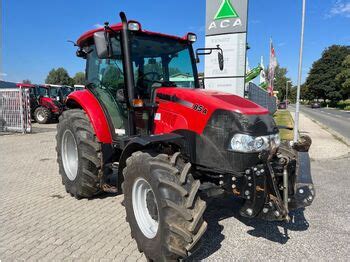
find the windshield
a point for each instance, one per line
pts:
(53, 91)
(42, 91)
(161, 61)
(66, 90)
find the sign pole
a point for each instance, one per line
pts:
(297, 107)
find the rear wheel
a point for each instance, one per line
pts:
(162, 205)
(78, 154)
(42, 115)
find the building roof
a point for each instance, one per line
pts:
(5, 84)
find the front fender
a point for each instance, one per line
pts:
(87, 101)
(142, 143)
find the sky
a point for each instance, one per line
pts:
(34, 33)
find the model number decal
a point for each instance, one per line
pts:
(200, 108)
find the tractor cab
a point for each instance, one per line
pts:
(126, 88)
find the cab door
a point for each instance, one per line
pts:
(105, 80)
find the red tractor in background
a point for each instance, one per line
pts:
(135, 131)
(45, 103)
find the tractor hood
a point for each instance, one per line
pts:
(210, 101)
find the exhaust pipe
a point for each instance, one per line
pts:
(128, 72)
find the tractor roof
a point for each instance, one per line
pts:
(25, 85)
(117, 27)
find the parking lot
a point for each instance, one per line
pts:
(40, 221)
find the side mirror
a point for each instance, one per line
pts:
(208, 51)
(103, 44)
(221, 61)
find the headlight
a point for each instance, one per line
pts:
(246, 143)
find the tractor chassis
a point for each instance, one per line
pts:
(271, 189)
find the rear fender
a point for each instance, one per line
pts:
(85, 100)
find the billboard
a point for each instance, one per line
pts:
(226, 25)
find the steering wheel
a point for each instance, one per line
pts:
(154, 77)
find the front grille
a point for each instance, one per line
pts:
(212, 146)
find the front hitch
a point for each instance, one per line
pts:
(280, 185)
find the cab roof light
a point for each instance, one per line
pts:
(191, 37)
(134, 26)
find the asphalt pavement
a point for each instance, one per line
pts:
(334, 119)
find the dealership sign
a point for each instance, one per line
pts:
(226, 16)
(226, 25)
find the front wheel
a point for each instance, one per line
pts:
(42, 115)
(162, 205)
(78, 154)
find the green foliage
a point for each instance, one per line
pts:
(343, 104)
(284, 118)
(347, 108)
(322, 81)
(59, 76)
(280, 83)
(79, 78)
(344, 77)
(112, 78)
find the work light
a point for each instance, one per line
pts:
(133, 26)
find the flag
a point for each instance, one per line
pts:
(262, 72)
(272, 66)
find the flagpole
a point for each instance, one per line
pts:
(297, 107)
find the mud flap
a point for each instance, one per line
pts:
(304, 190)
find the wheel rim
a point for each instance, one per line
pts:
(145, 208)
(40, 116)
(69, 155)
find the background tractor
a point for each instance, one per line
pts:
(44, 102)
(143, 127)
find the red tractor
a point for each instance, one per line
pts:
(44, 102)
(165, 142)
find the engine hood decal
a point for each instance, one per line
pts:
(213, 100)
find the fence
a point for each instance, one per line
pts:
(15, 110)
(261, 97)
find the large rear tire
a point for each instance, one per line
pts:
(42, 115)
(78, 154)
(162, 205)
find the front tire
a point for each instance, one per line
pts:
(78, 154)
(42, 115)
(162, 205)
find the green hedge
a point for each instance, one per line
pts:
(347, 108)
(344, 104)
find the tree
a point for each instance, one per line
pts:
(79, 78)
(280, 82)
(26, 81)
(344, 77)
(322, 80)
(59, 76)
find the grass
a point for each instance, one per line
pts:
(284, 118)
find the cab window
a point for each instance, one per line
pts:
(106, 78)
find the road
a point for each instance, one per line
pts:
(334, 119)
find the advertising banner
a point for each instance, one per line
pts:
(226, 26)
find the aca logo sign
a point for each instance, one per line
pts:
(225, 17)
